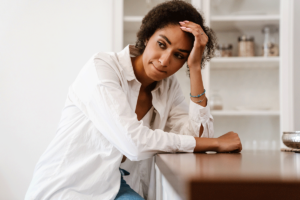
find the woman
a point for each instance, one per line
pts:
(129, 105)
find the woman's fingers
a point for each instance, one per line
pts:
(186, 29)
(196, 30)
(192, 25)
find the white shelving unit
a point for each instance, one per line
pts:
(242, 81)
(252, 81)
(248, 22)
(258, 60)
(244, 62)
(245, 113)
(246, 18)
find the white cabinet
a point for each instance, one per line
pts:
(164, 190)
(256, 91)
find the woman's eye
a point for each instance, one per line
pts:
(179, 56)
(161, 45)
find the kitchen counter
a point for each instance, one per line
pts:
(246, 175)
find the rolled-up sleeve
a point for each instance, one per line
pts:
(105, 103)
(201, 116)
(187, 120)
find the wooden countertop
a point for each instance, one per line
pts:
(246, 175)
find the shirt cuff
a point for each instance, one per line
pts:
(199, 113)
(187, 143)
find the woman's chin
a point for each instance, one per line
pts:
(154, 77)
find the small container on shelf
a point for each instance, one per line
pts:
(224, 50)
(246, 46)
(270, 48)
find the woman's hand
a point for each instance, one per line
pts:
(229, 142)
(200, 42)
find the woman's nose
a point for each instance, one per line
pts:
(165, 59)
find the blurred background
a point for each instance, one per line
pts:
(253, 82)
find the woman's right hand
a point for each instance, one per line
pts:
(229, 142)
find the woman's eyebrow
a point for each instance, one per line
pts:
(182, 50)
(165, 37)
(185, 51)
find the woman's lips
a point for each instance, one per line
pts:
(158, 69)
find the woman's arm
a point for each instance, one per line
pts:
(187, 119)
(194, 60)
(194, 64)
(226, 143)
(230, 141)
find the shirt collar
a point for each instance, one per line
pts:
(125, 62)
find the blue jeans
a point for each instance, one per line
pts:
(125, 192)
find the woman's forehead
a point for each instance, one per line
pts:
(174, 35)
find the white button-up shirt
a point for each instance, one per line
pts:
(99, 125)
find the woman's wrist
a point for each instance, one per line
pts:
(195, 67)
(206, 144)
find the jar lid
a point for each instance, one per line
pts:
(270, 29)
(224, 46)
(246, 38)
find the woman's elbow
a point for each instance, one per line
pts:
(138, 155)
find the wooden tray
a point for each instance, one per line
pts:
(290, 150)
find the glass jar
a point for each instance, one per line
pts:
(246, 46)
(224, 50)
(216, 102)
(269, 47)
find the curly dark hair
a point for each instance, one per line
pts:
(171, 12)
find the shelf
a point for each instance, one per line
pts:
(133, 18)
(225, 18)
(245, 113)
(244, 22)
(219, 23)
(132, 23)
(244, 62)
(257, 59)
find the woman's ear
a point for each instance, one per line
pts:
(146, 42)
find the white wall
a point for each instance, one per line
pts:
(296, 65)
(43, 45)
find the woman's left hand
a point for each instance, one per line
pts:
(201, 39)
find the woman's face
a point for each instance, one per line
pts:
(166, 52)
